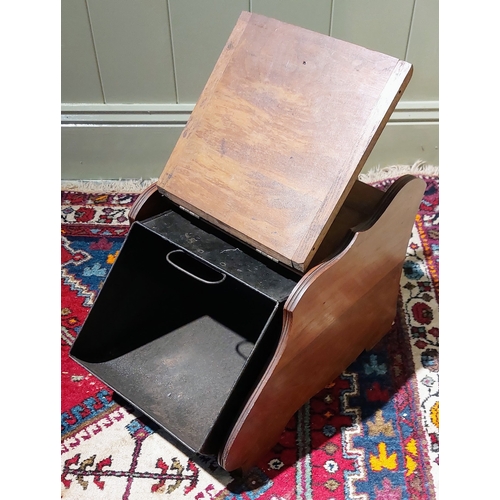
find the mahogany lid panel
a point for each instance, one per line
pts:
(279, 134)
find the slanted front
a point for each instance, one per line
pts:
(280, 132)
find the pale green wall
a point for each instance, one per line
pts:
(133, 69)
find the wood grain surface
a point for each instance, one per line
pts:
(282, 128)
(337, 309)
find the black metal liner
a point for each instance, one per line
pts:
(223, 252)
(186, 352)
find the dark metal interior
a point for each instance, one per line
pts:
(185, 339)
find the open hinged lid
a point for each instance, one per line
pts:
(280, 132)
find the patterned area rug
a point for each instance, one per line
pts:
(370, 434)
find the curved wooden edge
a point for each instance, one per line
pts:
(386, 200)
(338, 309)
(149, 203)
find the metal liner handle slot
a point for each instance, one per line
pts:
(198, 263)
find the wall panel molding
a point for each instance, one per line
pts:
(132, 71)
(124, 114)
(178, 114)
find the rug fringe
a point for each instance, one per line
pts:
(138, 185)
(107, 185)
(379, 174)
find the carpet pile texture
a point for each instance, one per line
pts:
(373, 433)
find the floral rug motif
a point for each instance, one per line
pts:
(373, 433)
